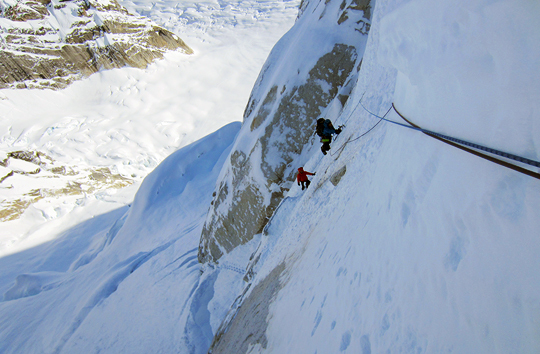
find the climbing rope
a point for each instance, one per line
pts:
(476, 146)
(373, 127)
(455, 142)
(459, 143)
(462, 145)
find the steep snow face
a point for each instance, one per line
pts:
(309, 73)
(402, 243)
(127, 281)
(478, 77)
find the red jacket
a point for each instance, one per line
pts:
(302, 175)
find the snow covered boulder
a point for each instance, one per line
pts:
(308, 74)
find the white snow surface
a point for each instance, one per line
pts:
(420, 247)
(129, 277)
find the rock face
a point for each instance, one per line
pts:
(232, 336)
(279, 120)
(49, 44)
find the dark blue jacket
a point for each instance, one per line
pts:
(328, 128)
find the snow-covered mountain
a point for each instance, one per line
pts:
(49, 44)
(401, 243)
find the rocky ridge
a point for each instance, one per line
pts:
(51, 43)
(280, 119)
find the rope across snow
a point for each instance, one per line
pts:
(458, 143)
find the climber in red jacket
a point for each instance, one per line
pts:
(301, 177)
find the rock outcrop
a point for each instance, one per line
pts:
(49, 44)
(297, 85)
(56, 180)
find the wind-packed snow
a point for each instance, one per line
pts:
(470, 70)
(401, 244)
(129, 277)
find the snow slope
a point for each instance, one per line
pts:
(402, 243)
(129, 277)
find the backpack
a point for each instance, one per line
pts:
(320, 127)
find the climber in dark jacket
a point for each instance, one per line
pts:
(301, 177)
(325, 130)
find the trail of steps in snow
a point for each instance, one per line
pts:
(233, 267)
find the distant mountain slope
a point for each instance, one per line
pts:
(50, 43)
(118, 125)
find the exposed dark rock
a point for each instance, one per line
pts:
(28, 10)
(101, 37)
(336, 177)
(285, 136)
(247, 328)
(78, 181)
